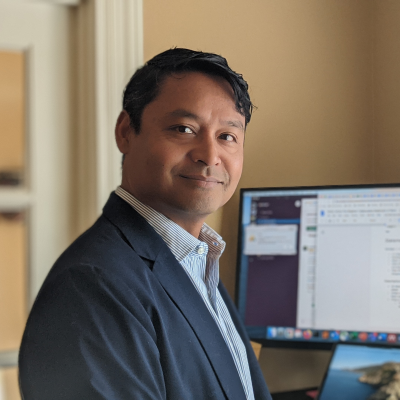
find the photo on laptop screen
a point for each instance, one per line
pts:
(362, 373)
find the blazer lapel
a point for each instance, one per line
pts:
(185, 296)
(148, 244)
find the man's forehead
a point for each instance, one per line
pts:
(178, 89)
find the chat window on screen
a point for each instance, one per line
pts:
(271, 245)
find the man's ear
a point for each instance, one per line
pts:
(123, 132)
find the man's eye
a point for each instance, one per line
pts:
(228, 137)
(184, 129)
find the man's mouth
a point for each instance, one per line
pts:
(203, 180)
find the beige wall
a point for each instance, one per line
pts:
(387, 90)
(12, 111)
(325, 78)
(13, 298)
(12, 227)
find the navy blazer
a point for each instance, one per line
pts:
(118, 318)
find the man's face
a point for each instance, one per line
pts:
(187, 159)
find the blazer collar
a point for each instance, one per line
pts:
(140, 235)
(148, 244)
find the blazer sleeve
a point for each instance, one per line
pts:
(83, 341)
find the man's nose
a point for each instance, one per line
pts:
(206, 150)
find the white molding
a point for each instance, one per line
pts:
(8, 359)
(118, 53)
(61, 2)
(14, 199)
(84, 110)
(12, 48)
(42, 32)
(109, 48)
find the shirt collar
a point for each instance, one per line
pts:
(180, 242)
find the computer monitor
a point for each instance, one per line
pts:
(318, 265)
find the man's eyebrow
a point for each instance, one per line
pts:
(235, 123)
(180, 112)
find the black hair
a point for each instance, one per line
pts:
(145, 83)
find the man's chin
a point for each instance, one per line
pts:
(199, 208)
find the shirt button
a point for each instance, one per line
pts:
(200, 250)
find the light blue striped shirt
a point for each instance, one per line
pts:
(200, 259)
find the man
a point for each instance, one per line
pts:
(134, 308)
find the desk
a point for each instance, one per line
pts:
(294, 395)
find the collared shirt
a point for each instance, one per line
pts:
(200, 259)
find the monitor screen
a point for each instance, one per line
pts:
(317, 265)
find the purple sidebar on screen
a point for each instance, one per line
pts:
(272, 279)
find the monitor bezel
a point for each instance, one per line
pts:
(293, 344)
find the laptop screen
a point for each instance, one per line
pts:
(359, 372)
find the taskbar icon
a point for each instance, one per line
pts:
(325, 335)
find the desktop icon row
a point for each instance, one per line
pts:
(289, 333)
